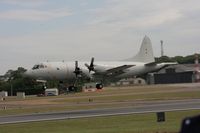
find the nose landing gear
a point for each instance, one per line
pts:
(99, 86)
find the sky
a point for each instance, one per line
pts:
(33, 31)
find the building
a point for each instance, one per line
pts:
(3, 93)
(181, 73)
(129, 81)
(21, 95)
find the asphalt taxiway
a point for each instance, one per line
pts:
(172, 105)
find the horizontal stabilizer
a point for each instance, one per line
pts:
(163, 64)
(169, 63)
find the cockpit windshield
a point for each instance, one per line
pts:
(39, 66)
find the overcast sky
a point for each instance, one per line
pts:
(33, 31)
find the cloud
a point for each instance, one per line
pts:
(34, 15)
(24, 3)
(174, 21)
(112, 30)
(135, 14)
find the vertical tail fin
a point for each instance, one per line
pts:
(146, 52)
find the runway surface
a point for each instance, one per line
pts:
(174, 105)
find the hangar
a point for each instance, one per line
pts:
(181, 73)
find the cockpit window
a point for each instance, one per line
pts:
(39, 66)
(35, 67)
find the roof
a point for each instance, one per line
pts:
(51, 89)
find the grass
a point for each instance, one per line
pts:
(135, 96)
(110, 97)
(136, 123)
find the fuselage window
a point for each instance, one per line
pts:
(41, 66)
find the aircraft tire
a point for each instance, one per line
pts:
(99, 86)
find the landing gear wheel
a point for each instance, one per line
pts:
(72, 88)
(99, 86)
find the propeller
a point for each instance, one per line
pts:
(91, 66)
(77, 70)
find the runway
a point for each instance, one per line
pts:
(172, 105)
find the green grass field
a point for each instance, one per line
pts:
(108, 98)
(136, 123)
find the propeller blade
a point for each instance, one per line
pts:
(77, 70)
(91, 66)
(92, 62)
(87, 65)
(76, 64)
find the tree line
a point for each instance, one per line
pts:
(190, 59)
(13, 81)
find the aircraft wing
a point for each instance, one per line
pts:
(151, 64)
(114, 71)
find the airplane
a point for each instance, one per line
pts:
(141, 64)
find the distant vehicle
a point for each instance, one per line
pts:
(51, 92)
(140, 64)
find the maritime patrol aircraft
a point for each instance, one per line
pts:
(141, 64)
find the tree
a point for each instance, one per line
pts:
(18, 82)
(180, 59)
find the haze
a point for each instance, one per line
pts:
(33, 31)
